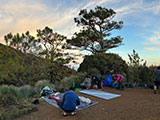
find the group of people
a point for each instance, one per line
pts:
(71, 100)
(96, 81)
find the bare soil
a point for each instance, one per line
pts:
(134, 104)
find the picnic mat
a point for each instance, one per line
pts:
(83, 105)
(100, 94)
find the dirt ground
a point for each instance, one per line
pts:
(134, 104)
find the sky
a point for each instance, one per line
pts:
(141, 29)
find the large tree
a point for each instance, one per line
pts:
(53, 45)
(95, 35)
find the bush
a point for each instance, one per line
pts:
(8, 99)
(67, 82)
(41, 84)
(5, 89)
(13, 111)
(26, 91)
(14, 101)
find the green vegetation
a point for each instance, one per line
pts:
(104, 64)
(68, 82)
(27, 64)
(138, 72)
(16, 101)
(17, 68)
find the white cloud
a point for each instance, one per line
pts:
(155, 39)
(20, 16)
(154, 7)
(153, 42)
(138, 12)
(150, 48)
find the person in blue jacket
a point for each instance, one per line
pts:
(69, 102)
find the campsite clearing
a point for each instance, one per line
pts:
(134, 104)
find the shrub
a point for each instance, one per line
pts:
(8, 99)
(13, 111)
(5, 89)
(26, 91)
(14, 101)
(41, 84)
(67, 82)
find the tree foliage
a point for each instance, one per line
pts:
(96, 33)
(26, 43)
(135, 60)
(104, 64)
(16, 70)
(138, 71)
(22, 61)
(53, 45)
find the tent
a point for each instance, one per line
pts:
(109, 81)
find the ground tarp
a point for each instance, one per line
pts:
(83, 105)
(100, 94)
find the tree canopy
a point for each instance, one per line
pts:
(26, 43)
(95, 35)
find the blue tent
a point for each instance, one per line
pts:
(108, 81)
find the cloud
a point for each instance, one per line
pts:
(150, 48)
(138, 12)
(20, 16)
(155, 39)
(94, 3)
(28, 15)
(154, 7)
(153, 42)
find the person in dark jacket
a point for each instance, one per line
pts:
(157, 79)
(69, 102)
(97, 81)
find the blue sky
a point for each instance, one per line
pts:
(141, 29)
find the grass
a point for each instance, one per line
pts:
(16, 101)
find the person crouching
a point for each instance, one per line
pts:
(69, 102)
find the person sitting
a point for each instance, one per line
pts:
(69, 102)
(120, 80)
